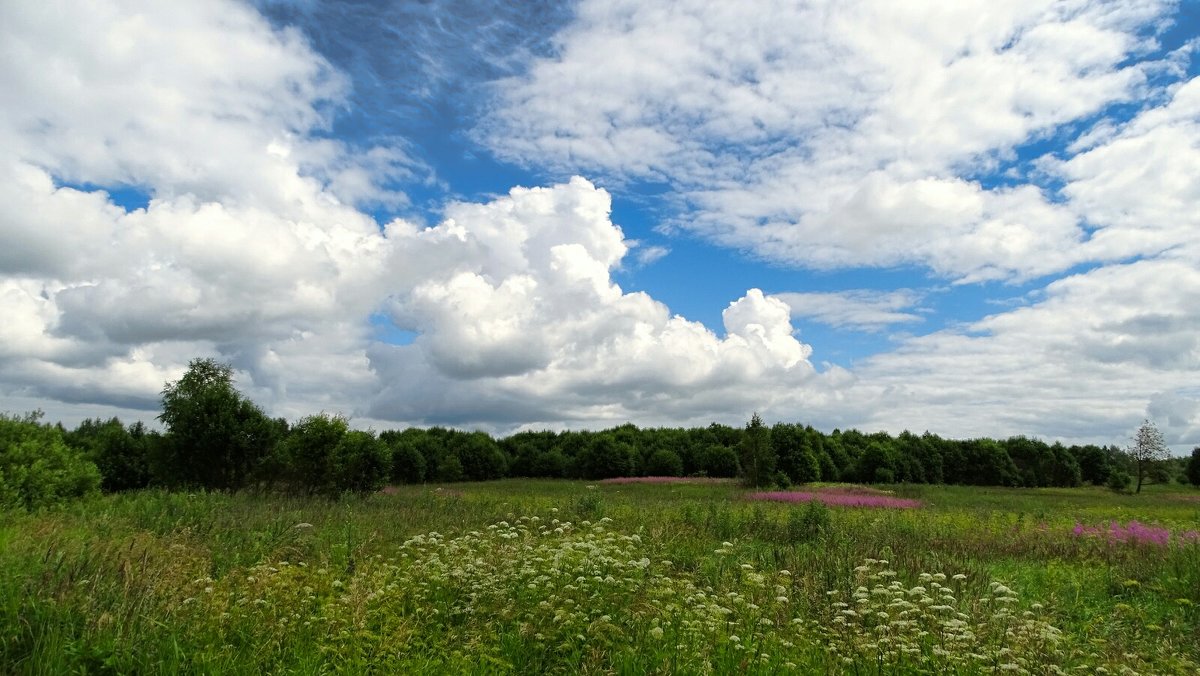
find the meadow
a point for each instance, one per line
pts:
(554, 576)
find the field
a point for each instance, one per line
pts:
(567, 577)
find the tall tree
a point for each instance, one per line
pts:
(758, 456)
(216, 438)
(1193, 467)
(1148, 449)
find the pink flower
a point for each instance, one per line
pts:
(839, 499)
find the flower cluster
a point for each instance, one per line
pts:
(929, 627)
(666, 480)
(1136, 533)
(838, 498)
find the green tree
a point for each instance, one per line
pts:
(307, 456)
(794, 454)
(121, 454)
(1148, 450)
(606, 457)
(1193, 467)
(37, 468)
(664, 462)
(719, 461)
(408, 463)
(757, 454)
(216, 438)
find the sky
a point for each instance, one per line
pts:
(975, 218)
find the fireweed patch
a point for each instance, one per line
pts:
(837, 498)
(665, 480)
(1136, 533)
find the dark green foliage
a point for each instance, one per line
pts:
(718, 461)
(985, 463)
(37, 468)
(122, 455)
(448, 468)
(877, 463)
(605, 458)
(551, 465)
(664, 462)
(757, 455)
(794, 452)
(216, 438)
(408, 463)
(1119, 480)
(1094, 464)
(479, 455)
(1193, 467)
(322, 455)
(361, 463)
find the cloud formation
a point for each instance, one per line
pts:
(862, 142)
(861, 309)
(836, 134)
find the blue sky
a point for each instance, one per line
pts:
(976, 219)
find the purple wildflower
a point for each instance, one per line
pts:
(665, 480)
(839, 499)
(1134, 532)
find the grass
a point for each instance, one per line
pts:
(567, 577)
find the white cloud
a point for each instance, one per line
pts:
(526, 325)
(851, 147)
(834, 134)
(647, 254)
(861, 309)
(1088, 362)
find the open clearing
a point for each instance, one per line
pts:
(561, 576)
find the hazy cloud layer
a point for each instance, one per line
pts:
(861, 309)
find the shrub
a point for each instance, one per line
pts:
(1119, 480)
(664, 462)
(37, 468)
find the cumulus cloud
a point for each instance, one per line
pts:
(526, 325)
(835, 134)
(860, 309)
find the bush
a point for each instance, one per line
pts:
(37, 468)
(1119, 480)
(664, 462)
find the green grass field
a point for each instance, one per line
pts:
(567, 577)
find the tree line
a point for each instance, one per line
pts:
(216, 438)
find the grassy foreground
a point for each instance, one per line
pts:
(556, 576)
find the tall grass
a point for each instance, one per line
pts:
(567, 577)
